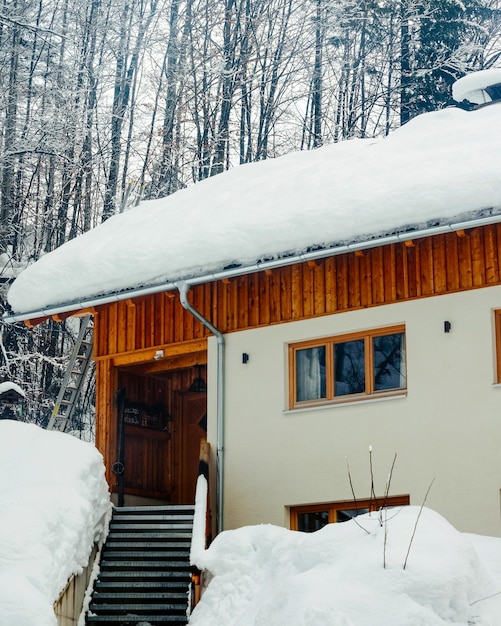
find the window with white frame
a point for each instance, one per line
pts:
(347, 367)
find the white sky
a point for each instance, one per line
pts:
(437, 167)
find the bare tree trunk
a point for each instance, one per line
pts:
(126, 66)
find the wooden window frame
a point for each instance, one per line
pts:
(328, 343)
(373, 504)
(497, 332)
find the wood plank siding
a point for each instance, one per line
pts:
(394, 273)
(129, 333)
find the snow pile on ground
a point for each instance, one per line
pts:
(440, 167)
(269, 576)
(54, 505)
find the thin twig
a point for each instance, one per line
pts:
(417, 520)
(486, 598)
(354, 499)
(373, 491)
(387, 490)
(385, 536)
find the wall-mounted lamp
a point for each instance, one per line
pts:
(447, 327)
(245, 357)
(159, 354)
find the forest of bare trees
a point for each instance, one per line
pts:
(107, 102)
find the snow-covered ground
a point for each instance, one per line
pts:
(352, 574)
(54, 504)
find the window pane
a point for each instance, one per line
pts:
(349, 367)
(310, 374)
(310, 522)
(348, 514)
(389, 362)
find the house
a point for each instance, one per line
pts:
(320, 318)
(11, 396)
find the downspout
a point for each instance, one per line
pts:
(183, 288)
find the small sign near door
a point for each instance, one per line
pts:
(146, 416)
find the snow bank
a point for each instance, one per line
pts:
(440, 167)
(54, 506)
(269, 576)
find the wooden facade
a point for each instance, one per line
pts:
(129, 334)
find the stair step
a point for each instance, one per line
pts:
(117, 555)
(114, 526)
(165, 574)
(133, 620)
(114, 536)
(157, 585)
(140, 608)
(153, 518)
(134, 546)
(148, 510)
(149, 596)
(137, 565)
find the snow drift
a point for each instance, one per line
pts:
(352, 574)
(54, 505)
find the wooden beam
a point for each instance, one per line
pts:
(35, 321)
(171, 363)
(145, 355)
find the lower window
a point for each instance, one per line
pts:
(309, 518)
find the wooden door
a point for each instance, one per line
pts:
(189, 428)
(147, 463)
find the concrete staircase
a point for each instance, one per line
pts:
(145, 572)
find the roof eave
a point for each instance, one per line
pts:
(67, 309)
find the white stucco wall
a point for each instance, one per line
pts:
(447, 428)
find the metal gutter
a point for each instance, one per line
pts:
(183, 288)
(259, 266)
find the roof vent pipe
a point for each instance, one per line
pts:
(183, 289)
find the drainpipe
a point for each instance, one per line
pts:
(183, 289)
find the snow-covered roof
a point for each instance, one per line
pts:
(475, 87)
(7, 386)
(441, 168)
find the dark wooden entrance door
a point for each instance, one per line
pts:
(189, 428)
(163, 427)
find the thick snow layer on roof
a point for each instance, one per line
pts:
(472, 86)
(10, 386)
(437, 167)
(54, 506)
(353, 574)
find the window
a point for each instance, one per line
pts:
(309, 518)
(347, 367)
